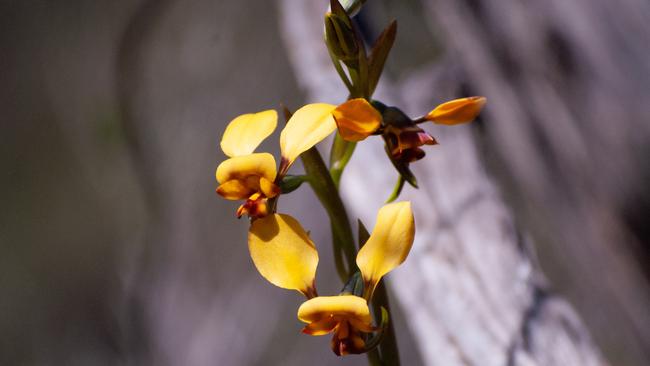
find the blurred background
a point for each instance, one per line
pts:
(114, 248)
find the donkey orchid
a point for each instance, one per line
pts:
(253, 176)
(284, 254)
(348, 316)
(357, 119)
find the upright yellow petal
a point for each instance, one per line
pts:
(283, 253)
(307, 127)
(356, 119)
(241, 167)
(457, 111)
(246, 132)
(388, 245)
(341, 307)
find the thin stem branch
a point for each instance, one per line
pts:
(420, 120)
(340, 71)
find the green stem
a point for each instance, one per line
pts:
(354, 76)
(340, 156)
(388, 346)
(397, 190)
(327, 193)
(374, 359)
(340, 71)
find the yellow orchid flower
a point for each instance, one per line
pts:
(253, 176)
(283, 253)
(388, 245)
(246, 175)
(357, 119)
(457, 111)
(346, 315)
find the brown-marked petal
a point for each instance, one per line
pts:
(245, 133)
(388, 245)
(356, 119)
(234, 190)
(283, 253)
(307, 127)
(342, 307)
(457, 111)
(320, 327)
(362, 326)
(269, 188)
(241, 167)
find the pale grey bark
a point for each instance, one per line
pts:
(470, 289)
(568, 128)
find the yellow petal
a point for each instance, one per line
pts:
(242, 167)
(356, 119)
(457, 111)
(283, 252)
(321, 327)
(245, 133)
(307, 127)
(388, 245)
(234, 190)
(269, 188)
(342, 307)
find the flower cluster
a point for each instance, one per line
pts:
(253, 176)
(284, 254)
(281, 250)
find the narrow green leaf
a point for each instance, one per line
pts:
(364, 235)
(379, 54)
(363, 66)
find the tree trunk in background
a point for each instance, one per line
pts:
(472, 289)
(568, 129)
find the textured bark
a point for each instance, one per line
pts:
(568, 129)
(471, 290)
